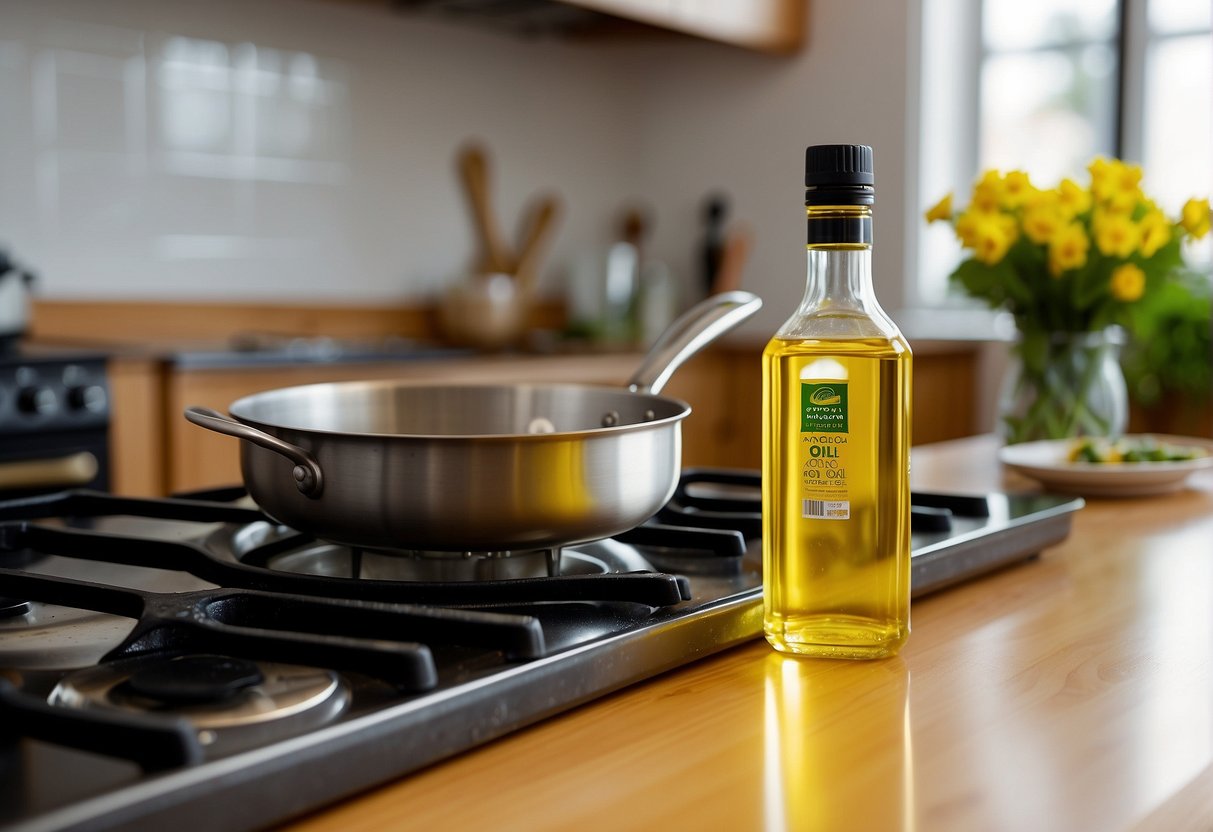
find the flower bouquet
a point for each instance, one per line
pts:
(1070, 264)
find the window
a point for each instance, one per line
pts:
(1048, 85)
(1045, 85)
(1169, 104)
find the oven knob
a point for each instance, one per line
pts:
(90, 398)
(37, 401)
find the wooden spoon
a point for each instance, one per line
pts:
(542, 221)
(495, 256)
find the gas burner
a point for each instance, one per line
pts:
(281, 549)
(231, 703)
(54, 637)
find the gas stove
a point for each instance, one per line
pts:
(189, 662)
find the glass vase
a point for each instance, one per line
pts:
(1064, 384)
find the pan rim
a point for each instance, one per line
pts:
(246, 402)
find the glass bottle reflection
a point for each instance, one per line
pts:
(837, 746)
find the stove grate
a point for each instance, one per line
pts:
(262, 614)
(346, 635)
(654, 589)
(155, 742)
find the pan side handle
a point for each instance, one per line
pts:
(695, 329)
(309, 479)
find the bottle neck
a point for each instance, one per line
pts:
(839, 302)
(839, 225)
(839, 257)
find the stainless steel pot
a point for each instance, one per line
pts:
(472, 468)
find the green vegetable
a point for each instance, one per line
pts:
(1123, 450)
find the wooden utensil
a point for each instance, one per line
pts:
(634, 228)
(732, 260)
(495, 256)
(542, 222)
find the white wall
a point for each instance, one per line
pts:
(104, 193)
(100, 194)
(738, 122)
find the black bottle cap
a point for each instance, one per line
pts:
(839, 174)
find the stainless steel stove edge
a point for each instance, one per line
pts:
(938, 566)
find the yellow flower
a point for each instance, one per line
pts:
(1068, 249)
(1099, 241)
(1017, 189)
(1100, 170)
(941, 210)
(966, 227)
(1155, 232)
(1042, 219)
(1195, 217)
(991, 238)
(1009, 226)
(1128, 282)
(988, 193)
(1072, 198)
(1115, 183)
(1115, 234)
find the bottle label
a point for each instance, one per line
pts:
(824, 435)
(823, 407)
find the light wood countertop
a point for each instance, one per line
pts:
(1074, 692)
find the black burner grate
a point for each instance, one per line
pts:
(654, 589)
(258, 613)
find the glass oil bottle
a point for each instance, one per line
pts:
(836, 438)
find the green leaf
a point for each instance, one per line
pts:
(1170, 348)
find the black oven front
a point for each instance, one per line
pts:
(54, 422)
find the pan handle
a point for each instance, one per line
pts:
(309, 479)
(695, 329)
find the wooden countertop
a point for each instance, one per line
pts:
(1073, 692)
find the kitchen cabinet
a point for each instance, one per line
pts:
(771, 26)
(763, 25)
(137, 426)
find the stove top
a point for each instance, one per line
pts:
(189, 662)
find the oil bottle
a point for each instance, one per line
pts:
(836, 438)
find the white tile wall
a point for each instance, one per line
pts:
(284, 148)
(304, 149)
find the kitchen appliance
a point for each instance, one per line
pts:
(190, 664)
(54, 404)
(462, 468)
(54, 420)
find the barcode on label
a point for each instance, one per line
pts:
(827, 509)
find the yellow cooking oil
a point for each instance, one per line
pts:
(836, 502)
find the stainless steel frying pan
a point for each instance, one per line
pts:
(391, 465)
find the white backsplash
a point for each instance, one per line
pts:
(285, 149)
(303, 150)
